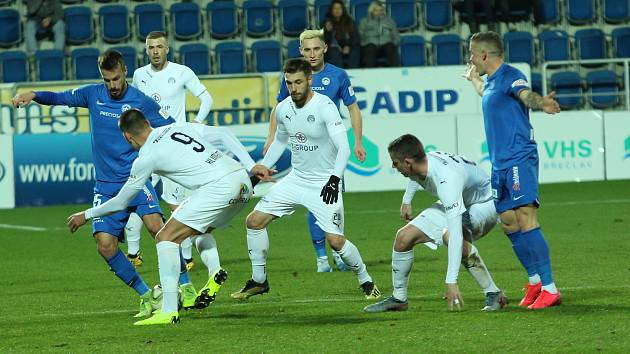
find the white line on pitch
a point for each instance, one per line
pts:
(22, 227)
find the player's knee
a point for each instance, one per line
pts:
(255, 222)
(107, 250)
(154, 228)
(336, 242)
(404, 240)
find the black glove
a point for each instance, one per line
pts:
(330, 192)
(255, 180)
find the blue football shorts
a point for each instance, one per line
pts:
(516, 186)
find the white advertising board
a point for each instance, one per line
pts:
(7, 189)
(617, 129)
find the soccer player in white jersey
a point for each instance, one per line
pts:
(166, 82)
(464, 213)
(311, 125)
(220, 189)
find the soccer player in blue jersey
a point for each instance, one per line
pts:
(113, 157)
(333, 82)
(506, 99)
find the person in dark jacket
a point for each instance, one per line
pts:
(43, 18)
(379, 37)
(341, 36)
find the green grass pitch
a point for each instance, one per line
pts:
(57, 295)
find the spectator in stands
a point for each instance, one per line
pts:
(468, 7)
(379, 37)
(43, 18)
(341, 36)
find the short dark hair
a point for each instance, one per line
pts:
(296, 65)
(491, 39)
(156, 35)
(110, 60)
(407, 146)
(132, 121)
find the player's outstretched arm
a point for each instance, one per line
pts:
(357, 129)
(472, 75)
(273, 126)
(454, 299)
(547, 104)
(23, 99)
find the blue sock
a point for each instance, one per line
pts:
(317, 236)
(522, 251)
(183, 272)
(124, 270)
(540, 254)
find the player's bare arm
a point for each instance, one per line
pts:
(547, 104)
(23, 99)
(357, 129)
(273, 125)
(473, 76)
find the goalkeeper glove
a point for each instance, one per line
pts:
(330, 192)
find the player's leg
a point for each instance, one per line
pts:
(132, 237)
(174, 195)
(318, 237)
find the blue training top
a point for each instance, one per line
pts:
(332, 81)
(506, 119)
(112, 154)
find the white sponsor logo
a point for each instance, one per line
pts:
(326, 81)
(520, 82)
(99, 103)
(350, 90)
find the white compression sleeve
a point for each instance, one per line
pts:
(204, 107)
(343, 153)
(412, 187)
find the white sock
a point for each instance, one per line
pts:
(258, 246)
(168, 264)
(550, 288)
(186, 246)
(208, 252)
(132, 233)
(352, 258)
(478, 270)
(401, 268)
(534, 279)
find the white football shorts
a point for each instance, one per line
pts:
(173, 193)
(479, 219)
(215, 205)
(292, 191)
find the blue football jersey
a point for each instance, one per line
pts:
(332, 81)
(506, 119)
(112, 154)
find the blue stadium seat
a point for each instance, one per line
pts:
(412, 50)
(603, 89)
(519, 47)
(621, 42)
(321, 9)
(49, 65)
(258, 15)
(267, 56)
(447, 49)
(85, 63)
(568, 87)
(230, 57)
(293, 49)
(196, 56)
(293, 16)
(550, 11)
(590, 44)
(79, 26)
(14, 66)
(554, 45)
(359, 9)
(536, 83)
(148, 17)
(114, 23)
(438, 14)
(11, 32)
(130, 56)
(186, 20)
(580, 12)
(616, 11)
(222, 19)
(404, 13)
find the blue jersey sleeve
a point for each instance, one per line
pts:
(517, 81)
(346, 93)
(156, 116)
(283, 92)
(78, 97)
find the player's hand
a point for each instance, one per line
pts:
(262, 173)
(454, 299)
(471, 73)
(359, 152)
(22, 99)
(75, 221)
(550, 105)
(330, 192)
(405, 212)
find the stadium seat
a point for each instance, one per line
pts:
(11, 32)
(568, 87)
(603, 89)
(294, 17)
(404, 13)
(519, 47)
(321, 9)
(621, 42)
(580, 12)
(536, 83)
(186, 20)
(616, 11)
(148, 17)
(79, 26)
(267, 56)
(85, 63)
(222, 19)
(293, 49)
(14, 66)
(258, 15)
(230, 57)
(130, 56)
(412, 51)
(196, 56)
(114, 23)
(447, 49)
(49, 65)
(590, 44)
(550, 11)
(438, 14)
(359, 9)
(554, 45)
